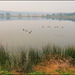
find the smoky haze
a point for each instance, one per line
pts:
(38, 6)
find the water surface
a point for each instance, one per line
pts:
(36, 33)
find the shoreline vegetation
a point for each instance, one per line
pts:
(50, 60)
(58, 16)
(44, 16)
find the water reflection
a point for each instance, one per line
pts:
(32, 18)
(7, 18)
(36, 33)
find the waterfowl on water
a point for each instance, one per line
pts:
(23, 29)
(30, 32)
(56, 26)
(42, 26)
(48, 26)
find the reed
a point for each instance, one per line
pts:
(70, 51)
(25, 64)
(34, 56)
(4, 56)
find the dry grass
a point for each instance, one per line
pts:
(55, 66)
(51, 60)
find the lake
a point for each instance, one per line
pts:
(36, 33)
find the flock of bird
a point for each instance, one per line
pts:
(27, 31)
(50, 27)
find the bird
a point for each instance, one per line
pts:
(30, 32)
(62, 27)
(48, 26)
(23, 29)
(55, 26)
(42, 26)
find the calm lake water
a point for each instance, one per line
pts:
(36, 33)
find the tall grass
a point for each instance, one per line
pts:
(18, 62)
(34, 56)
(70, 51)
(52, 50)
(25, 64)
(12, 62)
(4, 57)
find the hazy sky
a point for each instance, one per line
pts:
(38, 6)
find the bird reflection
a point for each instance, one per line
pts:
(30, 32)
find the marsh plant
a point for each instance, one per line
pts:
(24, 63)
(4, 57)
(34, 56)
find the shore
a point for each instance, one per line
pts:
(43, 15)
(52, 60)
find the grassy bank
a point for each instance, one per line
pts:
(50, 60)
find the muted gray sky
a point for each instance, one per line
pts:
(38, 6)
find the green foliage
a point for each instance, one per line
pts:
(21, 64)
(36, 73)
(4, 72)
(47, 50)
(22, 61)
(70, 52)
(28, 67)
(4, 57)
(65, 74)
(23, 57)
(34, 57)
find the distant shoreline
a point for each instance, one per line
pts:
(48, 16)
